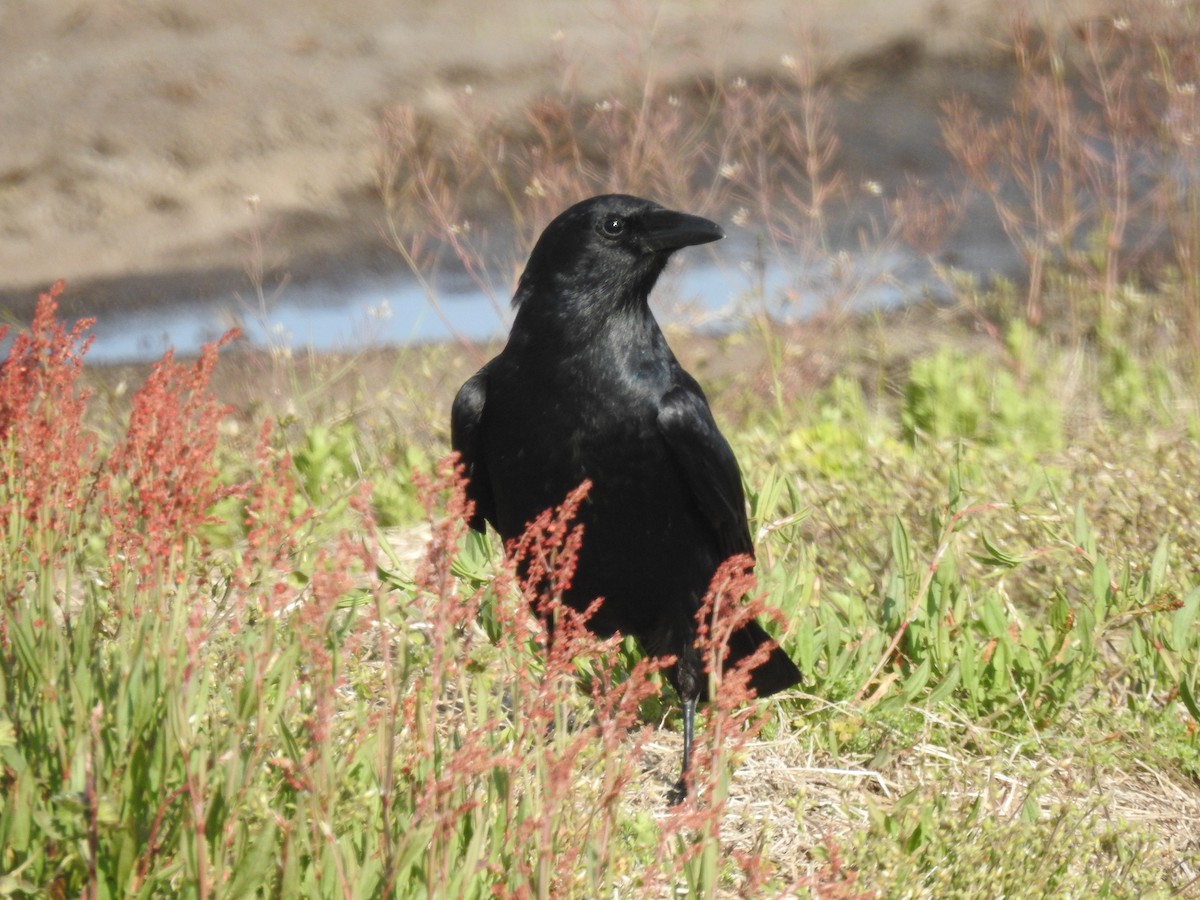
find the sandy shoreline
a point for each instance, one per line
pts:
(133, 134)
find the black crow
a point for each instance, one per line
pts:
(587, 388)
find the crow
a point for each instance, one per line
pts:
(587, 388)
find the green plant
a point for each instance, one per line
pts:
(953, 395)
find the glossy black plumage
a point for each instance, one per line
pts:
(587, 387)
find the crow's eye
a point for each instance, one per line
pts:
(612, 226)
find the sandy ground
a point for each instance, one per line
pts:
(134, 130)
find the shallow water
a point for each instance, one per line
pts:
(383, 311)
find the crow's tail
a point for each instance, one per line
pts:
(776, 674)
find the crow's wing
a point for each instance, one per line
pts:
(466, 436)
(707, 463)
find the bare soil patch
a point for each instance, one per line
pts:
(134, 132)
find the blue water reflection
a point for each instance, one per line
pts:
(379, 310)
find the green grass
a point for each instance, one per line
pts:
(250, 650)
(992, 596)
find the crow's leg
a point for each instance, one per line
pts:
(679, 792)
(689, 679)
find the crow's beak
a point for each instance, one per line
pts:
(665, 229)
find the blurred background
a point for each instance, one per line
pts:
(335, 174)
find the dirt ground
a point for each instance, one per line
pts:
(133, 131)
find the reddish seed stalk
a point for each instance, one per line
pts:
(163, 478)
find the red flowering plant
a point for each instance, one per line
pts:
(506, 764)
(163, 479)
(47, 454)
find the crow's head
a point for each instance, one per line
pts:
(604, 254)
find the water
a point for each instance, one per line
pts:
(383, 310)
